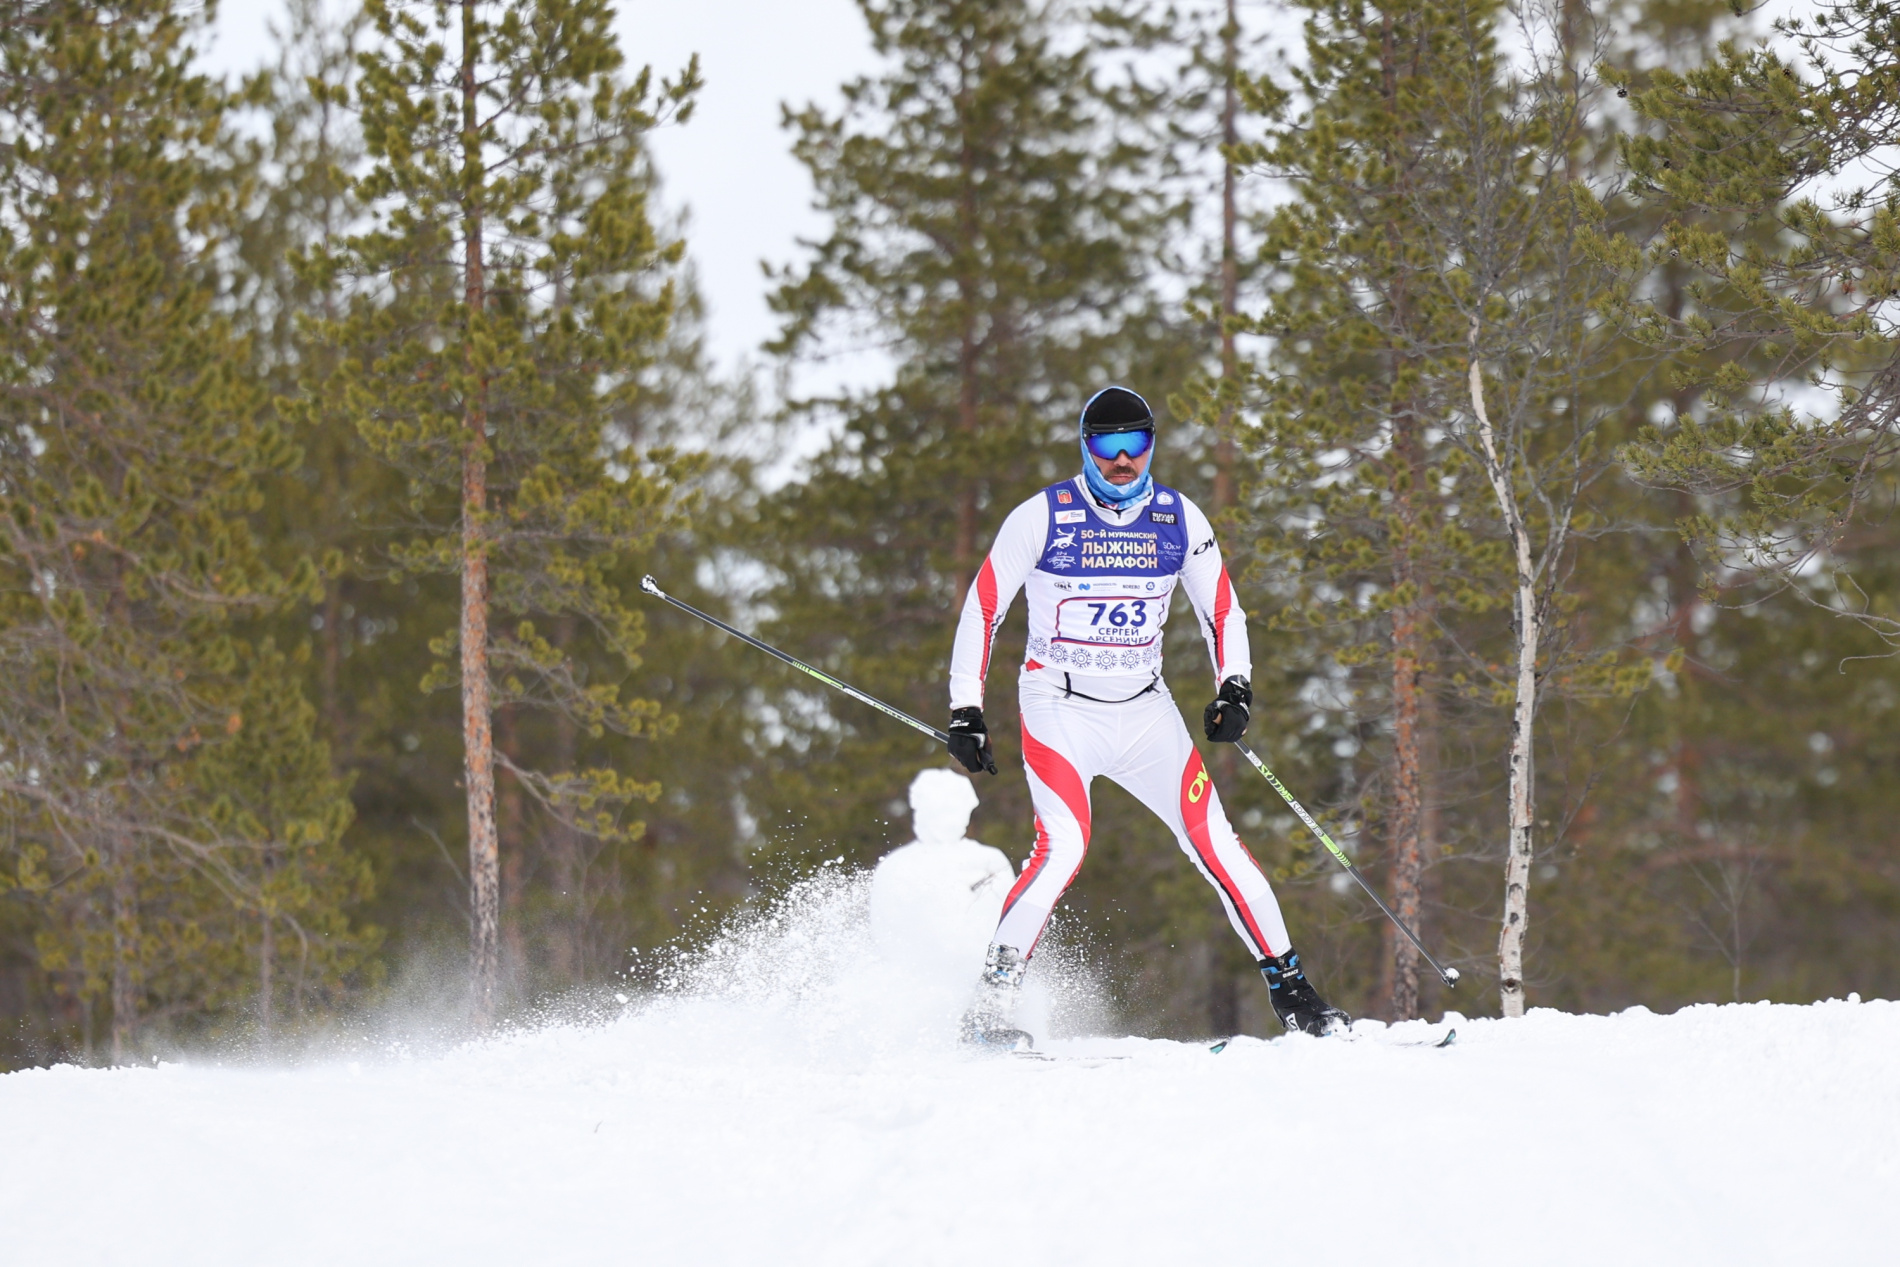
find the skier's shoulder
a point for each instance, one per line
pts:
(1028, 524)
(1195, 526)
(1029, 521)
(1058, 496)
(1172, 501)
(1170, 498)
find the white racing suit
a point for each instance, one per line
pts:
(1100, 583)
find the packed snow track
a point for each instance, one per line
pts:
(808, 1115)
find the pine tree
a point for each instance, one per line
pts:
(572, 903)
(1361, 496)
(169, 804)
(505, 298)
(997, 224)
(1210, 114)
(1752, 138)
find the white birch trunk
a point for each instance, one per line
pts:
(478, 740)
(1528, 623)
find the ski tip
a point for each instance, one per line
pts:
(650, 585)
(1220, 1047)
(1451, 1036)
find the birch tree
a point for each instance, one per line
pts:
(1433, 405)
(1528, 271)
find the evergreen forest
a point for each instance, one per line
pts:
(1538, 364)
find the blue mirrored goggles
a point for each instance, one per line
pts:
(1117, 443)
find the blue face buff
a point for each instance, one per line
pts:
(1114, 422)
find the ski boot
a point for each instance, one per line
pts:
(986, 1025)
(1296, 1002)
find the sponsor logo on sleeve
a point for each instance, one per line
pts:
(1156, 515)
(1071, 516)
(1205, 546)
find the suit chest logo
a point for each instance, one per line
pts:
(1120, 550)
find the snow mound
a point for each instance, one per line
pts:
(849, 967)
(785, 1098)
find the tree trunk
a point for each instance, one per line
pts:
(569, 941)
(1411, 638)
(969, 355)
(1408, 810)
(1527, 628)
(1517, 865)
(1223, 1000)
(477, 727)
(1224, 455)
(511, 812)
(266, 983)
(267, 953)
(963, 549)
(1411, 643)
(329, 692)
(125, 991)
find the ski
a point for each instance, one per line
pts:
(1451, 1036)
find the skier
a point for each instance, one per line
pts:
(1101, 555)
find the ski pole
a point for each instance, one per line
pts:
(652, 587)
(1448, 975)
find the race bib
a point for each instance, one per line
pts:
(1111, 620)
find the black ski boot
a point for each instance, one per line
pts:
(1296, 1002)
(986, 1024)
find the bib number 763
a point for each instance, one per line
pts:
(1132, 613)
(1109, 622)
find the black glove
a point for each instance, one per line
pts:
(970, 740)
(1225, 720)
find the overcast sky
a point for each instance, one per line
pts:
(731, 167)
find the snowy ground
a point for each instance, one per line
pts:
(792, 1102)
